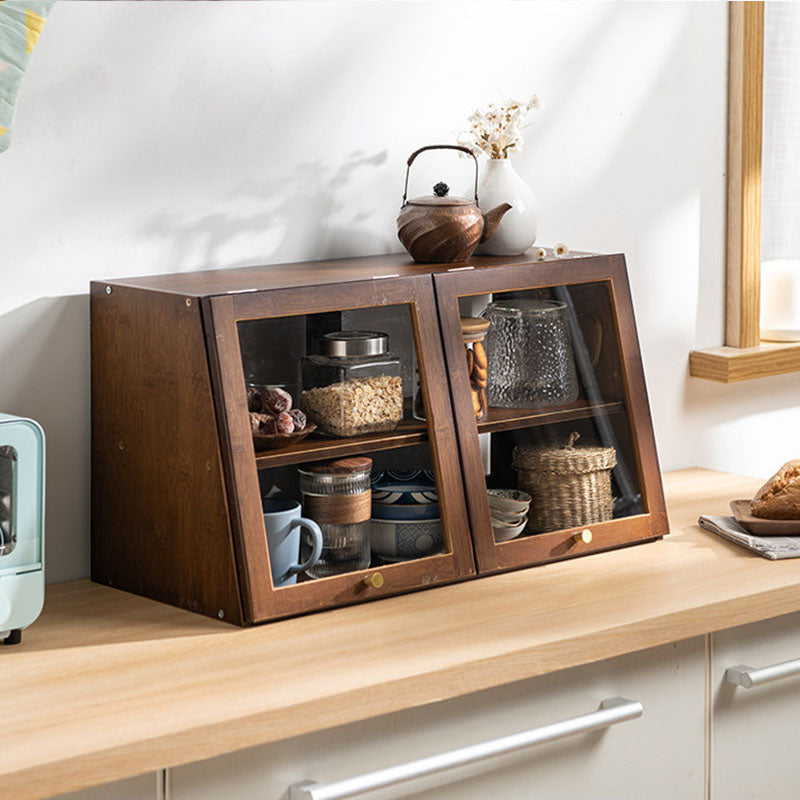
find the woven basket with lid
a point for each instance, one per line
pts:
(570, 485)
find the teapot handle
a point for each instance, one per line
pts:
(440, 147)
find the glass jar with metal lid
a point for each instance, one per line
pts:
(337, 495)
(354, 385)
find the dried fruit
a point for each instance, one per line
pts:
(299, 419)
(284, 423)
(269, 426)
(257, 421)
(276, 400)
(254, 399)
(476, 402)
(480, 355)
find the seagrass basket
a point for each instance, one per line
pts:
(570, 485)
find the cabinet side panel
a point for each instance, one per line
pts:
(160, 524)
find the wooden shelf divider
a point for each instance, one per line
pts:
(411, 432)
(505, 419)
(318, 447)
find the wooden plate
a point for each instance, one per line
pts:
(274, 441)
(763, 527)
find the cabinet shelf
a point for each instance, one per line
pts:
(410, 432)
(319, 448)
(507, 419)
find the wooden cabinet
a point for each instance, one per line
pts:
(754, 730)
(177, 481)
(178, 484)
(563, 363)
(658, 756)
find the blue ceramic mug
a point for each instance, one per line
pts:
(283, 523)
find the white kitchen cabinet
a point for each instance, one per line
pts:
(754, 732)
(142, 787)
(659, 755)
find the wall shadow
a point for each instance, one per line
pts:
(44, 353)
(298, 210)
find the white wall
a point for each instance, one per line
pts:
(156, 137)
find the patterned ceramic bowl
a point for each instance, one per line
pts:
(401, 540)
(404, 494)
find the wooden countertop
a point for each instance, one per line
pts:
(106, 685)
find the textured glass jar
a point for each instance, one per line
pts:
(531, 363)
(337, 495)
(354, 385)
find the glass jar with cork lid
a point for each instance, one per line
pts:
(337, 495)
(473, 331)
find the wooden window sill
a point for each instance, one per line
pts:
(731, 364)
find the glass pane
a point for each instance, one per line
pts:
(8, 533)
(346, 472)
(548, 394)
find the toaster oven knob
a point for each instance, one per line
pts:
(5, 609)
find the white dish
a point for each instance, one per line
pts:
(509, 500)
(507, 517)
(498, 523)
(504, 533)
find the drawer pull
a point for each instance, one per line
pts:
(611, 711)
(748, 677)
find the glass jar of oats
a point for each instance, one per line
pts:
(354, 385)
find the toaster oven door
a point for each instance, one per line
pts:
(8, 493)
(21, 496)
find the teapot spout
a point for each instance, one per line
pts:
(491, 219)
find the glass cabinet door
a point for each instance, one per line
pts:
(344, 468)
(551, 409)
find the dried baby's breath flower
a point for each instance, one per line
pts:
(495, 130)
(561, 251)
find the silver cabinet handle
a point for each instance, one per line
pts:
(611, 711)
(748, 677)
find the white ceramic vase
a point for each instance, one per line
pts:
(500, 183)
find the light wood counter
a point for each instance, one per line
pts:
(107, 685)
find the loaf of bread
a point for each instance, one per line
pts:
(779, 497)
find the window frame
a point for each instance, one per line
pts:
(744, 356)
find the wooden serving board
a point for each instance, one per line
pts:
(759, 526)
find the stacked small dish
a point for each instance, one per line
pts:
(509, 511)
(406, 521)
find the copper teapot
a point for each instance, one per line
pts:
(438, 229)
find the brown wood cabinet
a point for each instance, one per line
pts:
(177, 484)
(608, 404)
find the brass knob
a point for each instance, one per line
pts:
(375, 580)
(584, 536)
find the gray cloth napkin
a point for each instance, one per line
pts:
(773, 547)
